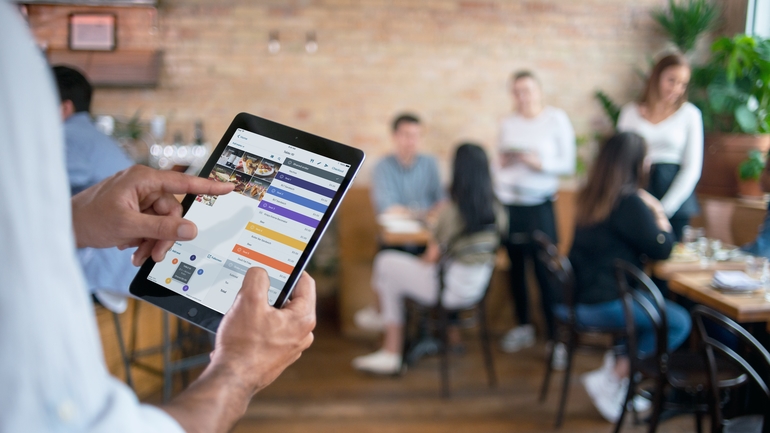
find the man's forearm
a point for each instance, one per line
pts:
(213, 403)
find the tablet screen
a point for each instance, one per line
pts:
(281, 192)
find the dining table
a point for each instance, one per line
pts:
(404, 232)
(743, 308)
(692, 279)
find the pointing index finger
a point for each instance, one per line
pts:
(179, 183)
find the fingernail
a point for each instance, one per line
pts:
(186, 231)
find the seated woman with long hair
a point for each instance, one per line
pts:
(617, 219)
(472, 216)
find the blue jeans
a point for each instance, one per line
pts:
(609, 315)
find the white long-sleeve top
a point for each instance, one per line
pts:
(551, 137)
(678, 139)
(52, 368)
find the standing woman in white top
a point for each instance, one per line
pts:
(536, 146)
(673, 130)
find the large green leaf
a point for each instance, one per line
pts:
(746, 119)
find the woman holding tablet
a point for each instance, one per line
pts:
(536, 146)
(472, 216)
(673, 130)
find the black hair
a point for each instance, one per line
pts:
(618, 171)
(404, 118)
(471, 187)
(73, 86)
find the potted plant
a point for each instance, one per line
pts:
(733, 93)
(684, 23)
(749, 171)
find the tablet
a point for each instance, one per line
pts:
(288, 185)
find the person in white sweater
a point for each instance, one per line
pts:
(536, 146)
(673, 130)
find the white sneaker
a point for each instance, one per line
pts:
(379, 362)
(641, 404)
(369, 319)
(607, 392)
(559, 360)
(518, 338)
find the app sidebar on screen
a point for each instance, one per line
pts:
(281, 192)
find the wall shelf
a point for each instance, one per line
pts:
(136, 69)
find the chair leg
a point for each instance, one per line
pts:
(629, 398)
(571, 343)
(443, 325)
(405, 343)
(547, 378)
(485, 346)
(657, 405)
(698, 422)
(122, 348)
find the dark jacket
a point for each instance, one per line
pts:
(629, 233)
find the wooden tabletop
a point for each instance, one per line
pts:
(400, 239)
(667, 268)
(742, 308)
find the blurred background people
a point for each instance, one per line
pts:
(617, 219)
(92, 157)
(536, 146)
(673, 131)
(406, 182)
(472, 216)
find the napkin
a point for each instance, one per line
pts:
(736, 281)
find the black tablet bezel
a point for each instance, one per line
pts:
(202, 315)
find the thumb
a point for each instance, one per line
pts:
(254, 289)
(163, 227)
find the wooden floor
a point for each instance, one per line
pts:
(322, 393)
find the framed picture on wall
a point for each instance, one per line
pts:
(92, 32)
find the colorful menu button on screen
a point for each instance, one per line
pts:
(265, 260)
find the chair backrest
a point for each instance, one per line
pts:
(637, 288)
(701, 315)
(483, 245)
(559, 268)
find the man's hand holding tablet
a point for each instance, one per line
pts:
(256, 342)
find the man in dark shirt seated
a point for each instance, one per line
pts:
(92, 157)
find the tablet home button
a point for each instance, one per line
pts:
(192, 312)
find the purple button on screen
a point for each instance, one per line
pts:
(185, 287)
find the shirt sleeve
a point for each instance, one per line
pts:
(564, 162)
(52, 369)
(690, 169)
(635, 223)
(383, 188)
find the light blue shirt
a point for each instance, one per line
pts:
(52, 368)
(92, 157)
(417, 187)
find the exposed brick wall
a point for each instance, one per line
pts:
(447, 60)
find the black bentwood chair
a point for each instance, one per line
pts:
(574, 335)
(434, 319)
(756, 423)
(683, 371)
